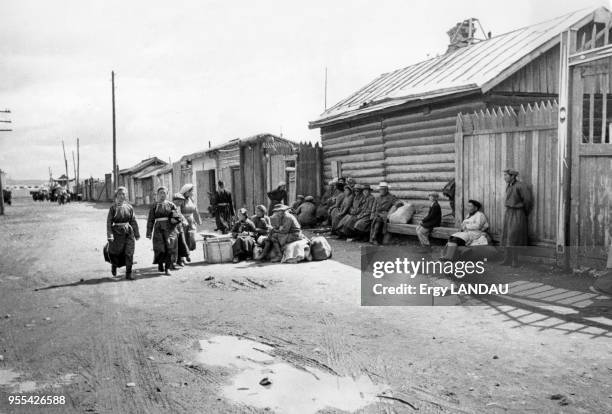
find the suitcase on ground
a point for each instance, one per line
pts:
(218, 250)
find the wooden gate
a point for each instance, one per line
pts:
(205, 181)
(590, 135)
(309, 171)
(489, 142)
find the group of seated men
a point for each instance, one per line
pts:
(353, 212)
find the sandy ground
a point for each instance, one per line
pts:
(68, 329)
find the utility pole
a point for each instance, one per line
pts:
(66, 164)
(74, 169)
(6, 111)
(78, 172)
(114, 135)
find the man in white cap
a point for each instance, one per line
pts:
(380, 210)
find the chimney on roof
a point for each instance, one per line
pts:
(462, 34)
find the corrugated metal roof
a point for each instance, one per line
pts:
(473, 68)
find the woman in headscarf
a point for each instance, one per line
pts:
(190, 211)
(161, 227)
(338, 213)
(244, 233)
(473, 231)
(262, 227)
(121, 232)
(181, 250)
(278, 196)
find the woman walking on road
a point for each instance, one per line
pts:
(161, 227)
(192, 215)
(121, 232)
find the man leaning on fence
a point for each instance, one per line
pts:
(519, 203)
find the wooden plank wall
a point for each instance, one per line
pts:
(227, 158)
(541, 75)
(526, 140)
(591, 208)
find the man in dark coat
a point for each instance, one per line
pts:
(380, 211)
(224, 208)
(519, 203)
(431, 220)
(278, 196)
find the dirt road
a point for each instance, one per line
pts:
(115, 346)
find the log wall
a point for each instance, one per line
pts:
(412, 150)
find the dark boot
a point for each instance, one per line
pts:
(128, 273)
(168, 267)
(160, 267)
(114, 270)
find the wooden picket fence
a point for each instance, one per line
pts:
(524, 138)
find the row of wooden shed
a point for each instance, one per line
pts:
(249, 168)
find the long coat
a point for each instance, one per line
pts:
(161, 226)
(519, 203)
(122, 226)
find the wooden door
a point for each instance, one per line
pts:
(237, 188)
(203, 188)
(591, 170)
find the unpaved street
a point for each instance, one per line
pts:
(115, 346)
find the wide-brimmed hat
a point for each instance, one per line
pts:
(511, 171)
(478, 204)
(186, 188)
(309, 198)
(280, 207)
(358, 187)
(383, 184)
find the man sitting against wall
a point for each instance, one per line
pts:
(380, 211)
(431, 220)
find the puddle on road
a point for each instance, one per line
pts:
(10, 378)
(292, 389)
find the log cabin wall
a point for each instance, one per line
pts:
(413, 150)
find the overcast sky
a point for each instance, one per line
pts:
(190, 72)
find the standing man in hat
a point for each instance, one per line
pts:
(380, 210)
(224, 208)
(431, 220)
(519, 203)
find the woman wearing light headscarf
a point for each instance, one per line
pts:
(121, 232)
(189, 209)
(161, 227)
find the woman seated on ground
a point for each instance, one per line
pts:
(244, 232)
(262, 227)
(286, 230)
(473, 231)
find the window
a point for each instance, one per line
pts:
(596, 118)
